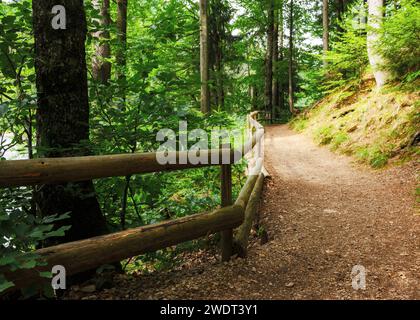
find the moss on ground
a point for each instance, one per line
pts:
(375, 126)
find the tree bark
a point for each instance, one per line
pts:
(204, 57)
(291, 88)
(325, 27)
(217, 38)
(281, 55)
(101, 68)
(63, 115)
(341, 9)
(275, 91)
(376, 11)
(269, 57)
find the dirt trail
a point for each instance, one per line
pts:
(323, 215)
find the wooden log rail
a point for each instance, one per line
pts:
(84, 255)
(59, 170)
(87, 254)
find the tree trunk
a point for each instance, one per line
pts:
(376, 11)
(63, 115)
(269, 58)
(204, 57)
(341, 9)
(325, 27)
(281, 55)
(275, 92)
(216, 43)
(101, 68)
(121, 58)
(291, 89)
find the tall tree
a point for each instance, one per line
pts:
(291, 69)
(376, 13)
(275, 91)
(269, 57)
(341, 9)
(121, 56)
(325, 27)
(281, 81)
(101, 68)
(63, 114)
(204, 57)
(219, 16)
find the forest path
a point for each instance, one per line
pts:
(324, 215)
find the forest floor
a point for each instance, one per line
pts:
(324, 214)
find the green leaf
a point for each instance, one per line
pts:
(46, 274)
(6, 285)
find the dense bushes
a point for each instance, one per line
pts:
(21, 231)
(348, 58)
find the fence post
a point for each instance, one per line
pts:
(226, 190)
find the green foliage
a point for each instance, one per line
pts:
(400, 40)
(347, 58)
(299, 123)
(162, 87)
(21, 231)
(373, 155)
(17, 76)
(324, 135)
(339, 139)
(374, 126)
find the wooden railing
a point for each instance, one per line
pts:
(84, 255)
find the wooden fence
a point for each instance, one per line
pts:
(84, 255)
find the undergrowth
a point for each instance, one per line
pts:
(375, 126)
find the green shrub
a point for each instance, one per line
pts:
(324, 135)
(21, 232)
(347, 58)
(373, 155)
(400, 40)
(339, 139)
(299, 124)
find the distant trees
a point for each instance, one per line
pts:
(278, 56)
(291, 71)
(274, 95)
(219, 18)
(269, 57)
(325, 25)
(277, 33)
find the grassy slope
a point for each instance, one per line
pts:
(377, 127)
